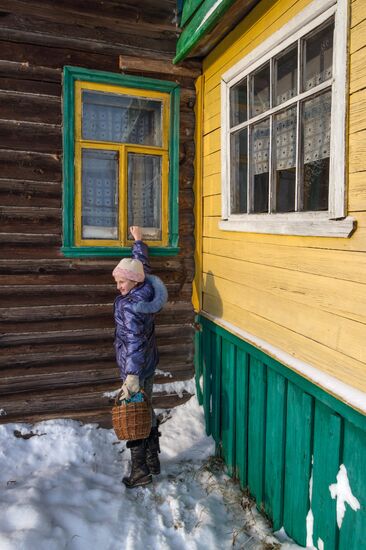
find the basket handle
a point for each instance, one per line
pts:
(117, 400)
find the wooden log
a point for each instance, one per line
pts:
(30, 107)
(110, 16)
(30, 136)
(25, 70)
(70, 277)
(102, 416)
(187, 97)
(192, 69)
(30, 86)
(75, 399)
(27, 380)
(55, 337)
(186, 198)
(33, 239)
(31, 380)
(30, 165)
(83, 266)
(22, 352)
(65, 294)
(184, 318)
(86, 335)
(77, 50)
(187, 121)
(95, 320)
(15, 192)
(45, 276)
(28, 356)
(121, 34)
(65, 266)
(72, 311)
(17, 250)
(29, 219)
(44, 313)
(166, 364)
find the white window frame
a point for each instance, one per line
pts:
(334, 221)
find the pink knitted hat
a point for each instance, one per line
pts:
(131, 269)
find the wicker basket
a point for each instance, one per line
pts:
(132, 420)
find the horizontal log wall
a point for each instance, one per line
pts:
(57, 357)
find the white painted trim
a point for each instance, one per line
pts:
(337, 171)
(297, 224)
(307, 228)
(349, 395)
(313, 15)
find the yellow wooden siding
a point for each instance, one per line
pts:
(343, 264)
(357, 186)
(313, 353)
(358, 12)
(304, 295)
(197, 282)
(310, 322)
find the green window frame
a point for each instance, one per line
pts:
(71, 77)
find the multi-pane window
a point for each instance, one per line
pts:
(280, 130)
(283, 129)
(121, 164)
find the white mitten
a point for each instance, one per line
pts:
(130, 386)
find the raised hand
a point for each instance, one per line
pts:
(136, 232)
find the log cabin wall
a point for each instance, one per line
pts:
(56, 315)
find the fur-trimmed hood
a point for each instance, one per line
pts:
(159, 300)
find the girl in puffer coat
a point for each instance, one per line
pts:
(142, 295)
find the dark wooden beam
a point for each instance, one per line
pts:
(132, 63)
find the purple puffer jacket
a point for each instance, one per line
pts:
(135, 345)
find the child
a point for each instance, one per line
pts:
(142, 295)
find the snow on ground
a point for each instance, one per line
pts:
(61, 490)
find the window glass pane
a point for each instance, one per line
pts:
(99, 192)
(260, 165)
(316, 143)
(238, 103)
(260, 86)
(121, 118)
(285, 76)
(284, 135)
(318, 57)
(144, 194)
(239, 172)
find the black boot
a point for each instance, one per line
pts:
(140, 474)
(152, 451)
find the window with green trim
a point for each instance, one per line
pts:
(120, 162)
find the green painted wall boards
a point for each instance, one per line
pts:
(274, 429)
(241, 416)
(275, 446)
(256, 428)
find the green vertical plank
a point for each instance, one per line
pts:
(275, 447)
(216, 390)
(297, 462)
(352, 535)
(206, 350)
(256, 428)
(241, 415)
(327, 447)
(228, 405)
(198, 365)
